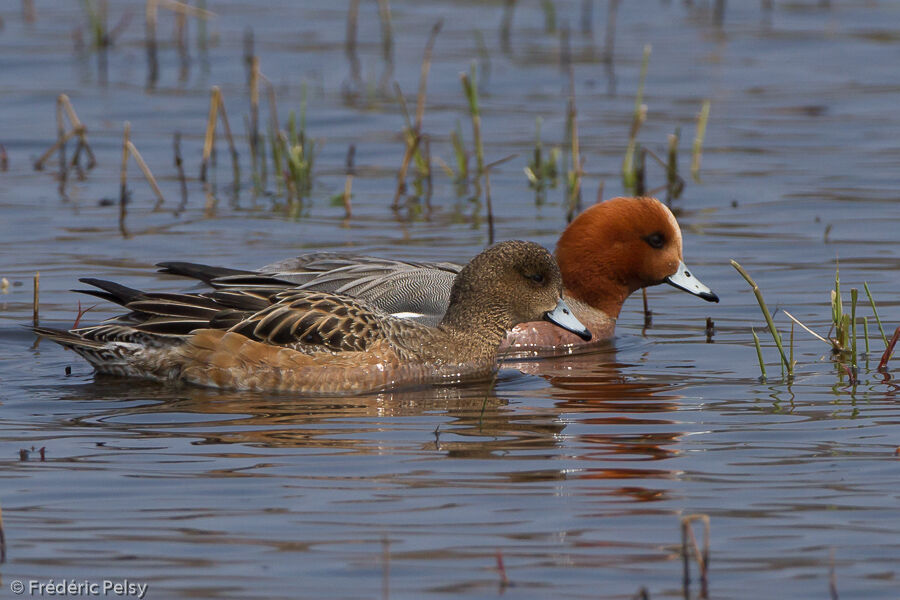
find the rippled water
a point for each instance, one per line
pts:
(576, 471)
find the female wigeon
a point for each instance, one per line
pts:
(312, 342)
(609, 251)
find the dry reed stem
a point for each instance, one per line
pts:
(648, 314)
(292, 191)
(64, 109)
(181, 43)
(123, 180)
(2, 539)
(39, 163)
(701, 557)
(612, 9)
(587, 18)
(501, 569)
(352, 26)
(471, 94)
(679, 182)
(254, 112)
(719, 12)
(350, 45)
(404, 167)
(577, 166)
(387, 41)
(209, 138)
(832, 578)
(429, 184)
(235, 164)
(385, 568)
(186, 9)
(423, 75)
(273, 105)
(808, 330)
(506, 25)
(81, 312)
(150, 16)
(565, 58)
(487, 193)
(674, 183)
(573, 187)
(79, 128)
(489, 206)
(697, 151)
(640, 171)
(854, 297)
(249, 53)
(28, 14)
(882, 365)
(348, 183)
(36, 312)
(179, 166)
(642, 594)
(76, 156)
(160, 199)
(413, 134)
(61, 136)
(638, 117)
(66, 104)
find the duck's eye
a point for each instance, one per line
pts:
(655, 240)
(536, 277)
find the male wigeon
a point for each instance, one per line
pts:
(313, 342)
(609, 251)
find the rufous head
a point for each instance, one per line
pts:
(619, 246)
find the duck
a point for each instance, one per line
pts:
(286, 339)
(608, 252)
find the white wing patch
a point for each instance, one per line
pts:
(407, 315)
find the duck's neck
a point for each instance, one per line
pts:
(478, 332)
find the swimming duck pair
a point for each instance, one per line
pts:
(334, 324)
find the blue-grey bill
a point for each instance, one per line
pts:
(684, 280)
(562, 316)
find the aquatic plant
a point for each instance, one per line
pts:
(629, 176)
(697, 151)
(787, 365)
(542, 172)
(216, 112)
(470, 90)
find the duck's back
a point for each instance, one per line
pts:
(409, 289)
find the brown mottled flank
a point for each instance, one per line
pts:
(257, 338)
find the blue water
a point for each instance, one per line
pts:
(576, 471)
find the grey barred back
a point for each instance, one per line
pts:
(394, 286)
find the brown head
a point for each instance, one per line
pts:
(509, 283)
(619, 246)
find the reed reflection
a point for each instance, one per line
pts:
(601, 422)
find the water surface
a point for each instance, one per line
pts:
(577, 471)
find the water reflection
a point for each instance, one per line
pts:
(597, 417)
